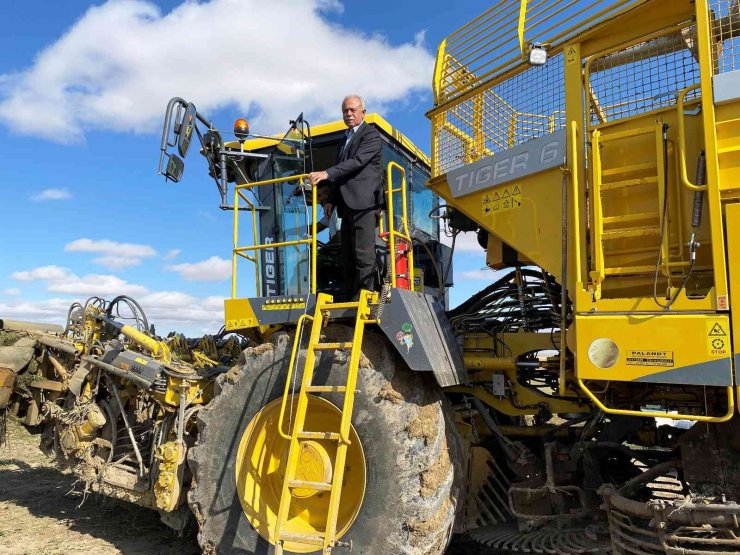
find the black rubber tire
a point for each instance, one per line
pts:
(413, 452)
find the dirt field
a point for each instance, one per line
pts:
(40, 512)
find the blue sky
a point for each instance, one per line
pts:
(82, 95)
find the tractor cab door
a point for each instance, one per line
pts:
(284, 217)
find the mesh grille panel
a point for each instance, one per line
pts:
(525, 106)
(643, 77)
(490, 44)
(725, 22)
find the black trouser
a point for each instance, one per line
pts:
(358, 233)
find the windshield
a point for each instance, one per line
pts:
(284, 217)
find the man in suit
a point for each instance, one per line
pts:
(357, 194)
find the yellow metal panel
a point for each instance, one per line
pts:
(239, 315)
(732, 212)
(728, 142)
(661, 348)
(525, 214)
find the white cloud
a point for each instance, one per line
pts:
(42, 273)
(465, 242)
(117, 262)
(110, 248)
(50, 194)
(178, 311)
(481, 275)
(49, 310)
(172, 254)
(61, 280)
(96, 284)
(212, 269)
(167, 310)
(12, 291)
(290, 59)
(116, 256)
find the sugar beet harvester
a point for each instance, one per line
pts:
(592, 146)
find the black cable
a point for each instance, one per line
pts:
(135, 308)
(663, 225)
(69, 316)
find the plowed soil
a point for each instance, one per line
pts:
(43, 511)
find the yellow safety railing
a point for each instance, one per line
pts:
(393, 233)
(655, 414)
(241, 251)
(487, 47)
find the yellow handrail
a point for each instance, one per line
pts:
(653, 414)
(239, 251)
(598, 274)
(573, 164)
(392, 233)
(289, 377)
(682, 140)
(235, 253)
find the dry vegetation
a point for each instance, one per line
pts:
(42, 511)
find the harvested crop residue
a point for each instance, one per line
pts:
(39, 513)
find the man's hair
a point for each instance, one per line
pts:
(357, 96)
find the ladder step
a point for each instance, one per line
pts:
(338, 306)
(728, 149)
(640, 216)
(629, 233)
(623, 270)
(652, 180)
(302, 538)
(332, 346)
(325, 389)
(319, 435)
(302, 484)
(629, 169)
(627, 134)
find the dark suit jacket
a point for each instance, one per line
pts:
(357, 174)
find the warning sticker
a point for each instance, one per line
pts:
(240, 323)
(718, 343)
(650, 358)
(570, 56)
(502, 199)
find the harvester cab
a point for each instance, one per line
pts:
(291, 250)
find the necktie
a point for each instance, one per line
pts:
(349, 134)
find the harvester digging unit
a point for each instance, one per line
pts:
(583, 402)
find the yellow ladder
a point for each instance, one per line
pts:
(626, 225)
(324, 306)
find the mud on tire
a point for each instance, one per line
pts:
(413, 454)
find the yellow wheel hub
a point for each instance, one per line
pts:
(314, 465)
(260, 473)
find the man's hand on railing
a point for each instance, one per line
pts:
(317, 177)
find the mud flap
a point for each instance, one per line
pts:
(417, 325)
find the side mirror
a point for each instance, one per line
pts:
(175, 168)
(185, 131)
